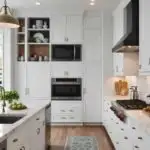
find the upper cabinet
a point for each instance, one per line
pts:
(125, 64)
(118, 24)
(67, 29)
(119, 21)
(144, 52)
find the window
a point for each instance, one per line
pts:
(1, 55)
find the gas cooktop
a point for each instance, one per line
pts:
(132, 104)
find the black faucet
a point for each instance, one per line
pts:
(2, 92)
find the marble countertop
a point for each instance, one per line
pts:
(33, 108)
(139, 117)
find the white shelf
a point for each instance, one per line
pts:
(20, 43)
(31, 29)
(39, 43)
(21, 32)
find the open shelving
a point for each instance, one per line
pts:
(33, 39)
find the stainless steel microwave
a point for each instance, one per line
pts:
(66, 52)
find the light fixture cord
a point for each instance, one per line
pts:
(5, 2)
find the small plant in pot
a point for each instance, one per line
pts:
(10, 96)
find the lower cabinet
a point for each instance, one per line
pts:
(66, 112)
(29, 136)
(124, 136)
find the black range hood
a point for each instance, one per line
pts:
(130, 41)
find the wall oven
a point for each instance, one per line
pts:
(66, 53)
(66, 89)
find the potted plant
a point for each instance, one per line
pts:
(10, 96)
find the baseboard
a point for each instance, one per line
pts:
(92, 123)
(66, 124)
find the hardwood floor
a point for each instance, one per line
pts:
(58, 136)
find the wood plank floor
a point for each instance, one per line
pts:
(58, 136)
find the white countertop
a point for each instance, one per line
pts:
(33, 108)
(139, 117)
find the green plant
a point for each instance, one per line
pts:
(10, 96)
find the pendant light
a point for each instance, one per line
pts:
(6, 18)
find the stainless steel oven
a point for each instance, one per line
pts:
(66, 89)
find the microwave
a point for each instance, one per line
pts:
(66, 52)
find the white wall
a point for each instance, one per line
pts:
(107, 53)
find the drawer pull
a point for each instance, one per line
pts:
(117, 142)
(71, 110)
(136, 146)
(125, 138)
(71, 117)
(140, 138)
(133, 128)
(38, 131)
(122, 129)
(63, 117)
(62, 110)
(37, 118)
(15, 140)
(117, 123)
(22, 148)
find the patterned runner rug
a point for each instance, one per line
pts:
(81, 143)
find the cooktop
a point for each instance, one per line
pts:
(132, 104)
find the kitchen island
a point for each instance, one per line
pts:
(28, 133)
(133, 134)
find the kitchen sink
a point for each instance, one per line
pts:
(9, 119)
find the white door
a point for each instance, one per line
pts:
(38, 80)
(93, 76)
(58, 29)
(75, 29)
(20, 79)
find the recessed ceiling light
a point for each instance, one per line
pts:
(92, 3)
(92, 0)
(37, 3)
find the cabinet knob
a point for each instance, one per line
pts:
(37, 118)
(136, 146)
(117, 123)
(22, 148)
(62, 110)
(133, 128)
(71, 110)
(122, 129)
(117, 142)
(125, 138)
(140, 138)
(71, 117)
(15, 140)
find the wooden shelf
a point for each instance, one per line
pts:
(39, 43)
(31, 29)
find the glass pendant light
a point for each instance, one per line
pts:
(6, 18)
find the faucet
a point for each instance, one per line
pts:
(2, 91)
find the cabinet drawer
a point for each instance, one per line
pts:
(66, 119)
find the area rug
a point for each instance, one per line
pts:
(81, 143)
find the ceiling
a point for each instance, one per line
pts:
(57, 4)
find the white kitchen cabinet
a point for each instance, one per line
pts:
(20, 79)
(19, 139)
(92, 76)
(66, 29)
(58, 26)
(144, 24)
(38, 80)
(67, 112)
(67, 69)
(125, 64)
(118, 23)
(75, 29)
